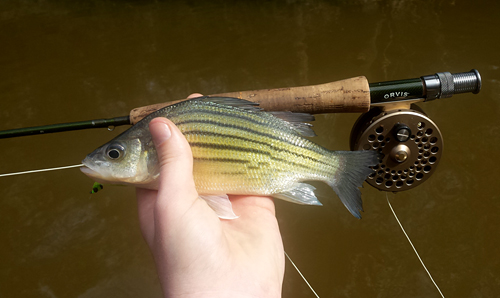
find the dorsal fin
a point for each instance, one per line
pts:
(232, 101)
(297, 120)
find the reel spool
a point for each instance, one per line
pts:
(409, 143)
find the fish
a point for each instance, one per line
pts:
(237, 149)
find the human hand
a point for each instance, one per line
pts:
(196, 253)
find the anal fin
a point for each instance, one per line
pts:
(221, 205)
(302, 193)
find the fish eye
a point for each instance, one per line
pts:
(115, 151)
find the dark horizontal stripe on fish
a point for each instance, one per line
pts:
(256, 167)
(180, 123)
(243, 149)
(215, 134)
(228, 147)
(235, 173)
(239, 115)
(234, 160)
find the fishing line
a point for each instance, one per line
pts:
(42, 170)
(296, 268)
(414, 249)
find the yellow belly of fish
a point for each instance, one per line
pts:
(226, 171)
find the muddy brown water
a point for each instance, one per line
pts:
(64, 61)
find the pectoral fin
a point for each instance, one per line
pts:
(221, 205)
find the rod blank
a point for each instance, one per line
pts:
(36, 130)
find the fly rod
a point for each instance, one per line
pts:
(354, 95)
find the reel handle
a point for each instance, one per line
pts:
(345, 96)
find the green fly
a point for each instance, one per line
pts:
(96, 187)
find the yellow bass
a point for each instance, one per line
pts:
(237, 149)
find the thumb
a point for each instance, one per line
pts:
(176, 191)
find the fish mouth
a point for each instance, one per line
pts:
(94, 175)
(88, 171)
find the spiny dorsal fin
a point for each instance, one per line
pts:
(233, 102)
(297, 120)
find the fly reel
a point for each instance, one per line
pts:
(409, 143)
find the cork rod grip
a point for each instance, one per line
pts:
(346, 96)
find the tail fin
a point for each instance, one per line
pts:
(353, 170)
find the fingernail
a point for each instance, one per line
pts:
(161, 133)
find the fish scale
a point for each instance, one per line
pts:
(286, 158)
(238, 149)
